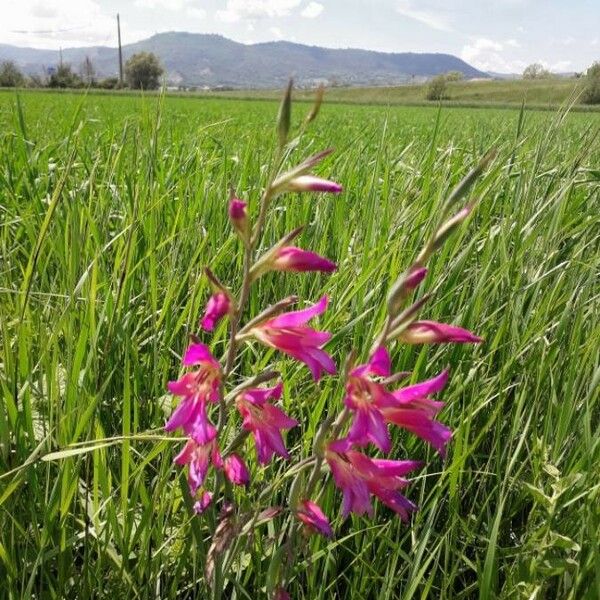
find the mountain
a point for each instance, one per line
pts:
(213, 60)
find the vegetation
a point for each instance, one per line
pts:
(64, 77)
(111, 206)
(437, 89)
(591, 93)
(10, 76)
(143, 71)
(536, 71)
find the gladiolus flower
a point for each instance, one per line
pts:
(430, 332)
(196, 388)
(288, 334)
(236, 470)
(358, 476)
(314, 518)
(415, 412)
(218, 305)
(265, 421)
(290, 258)
(366, 398)
(198, 457)
(281, 594)
(239, 218)
(309, 183)
(203, 502)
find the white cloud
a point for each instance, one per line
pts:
(55, 23)
(513, 43)
(561, 66)
(196, 13)
(237, 10)
(312, 10)
(164, 4)
(595, 42)
(568, 41)
(487, 55)
(276, 32)
(427, 17)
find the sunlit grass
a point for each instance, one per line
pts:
(109, 209)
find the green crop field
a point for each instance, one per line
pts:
(110, 207)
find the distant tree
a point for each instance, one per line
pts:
(143, 71)
(88, 72)
(35, 81)
(455, 76)
(536, 71)
(437, 88)
(64, 77)
(591, 93)
(10, 76)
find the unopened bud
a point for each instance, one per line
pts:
(405, 284)
(239, 219)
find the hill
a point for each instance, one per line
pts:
(213, 60)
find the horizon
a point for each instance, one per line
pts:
(518, 36)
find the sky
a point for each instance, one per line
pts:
(493, 35)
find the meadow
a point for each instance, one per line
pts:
(110, 207)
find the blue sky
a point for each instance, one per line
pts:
(496, 35)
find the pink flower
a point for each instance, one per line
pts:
(281, 594)
(239, 218)
(196, 388)
(265, 421)
(288, 334)
(203, 502)
(358, 476)
(218, 305)
(314, 518)
(198, 457)
(430, 332)
(415, 412)
(414, 278)
(236, 470)
(309, 183)
(290, 258)
(366, 398)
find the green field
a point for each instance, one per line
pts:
(541, 94)
(110, 206)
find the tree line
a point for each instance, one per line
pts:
(142, 71)
(437, 88)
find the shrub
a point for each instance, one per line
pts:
(64, 77)
(536, 71)
(455, 76)
(10, 76)
(437, 88)
(143, 71)
(591, 93)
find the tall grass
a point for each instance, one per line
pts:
(109, 209)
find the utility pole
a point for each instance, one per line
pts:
(120, 51)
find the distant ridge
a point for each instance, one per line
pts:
(195, 59)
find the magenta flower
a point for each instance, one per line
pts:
(198, 457)
(309, 183)
(314, 518)
(196, 388)
(219, 304)
(203, 502)
(290, 258)
(239, 218)
(265, 421)
(236, 470)
(430, 332)
(358, 476)
(288, 334)
(415, 412)
(366, 398)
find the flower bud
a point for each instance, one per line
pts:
(239, 219)
(236, 470)
(401, 289)
(309, 183)
(430, 332)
